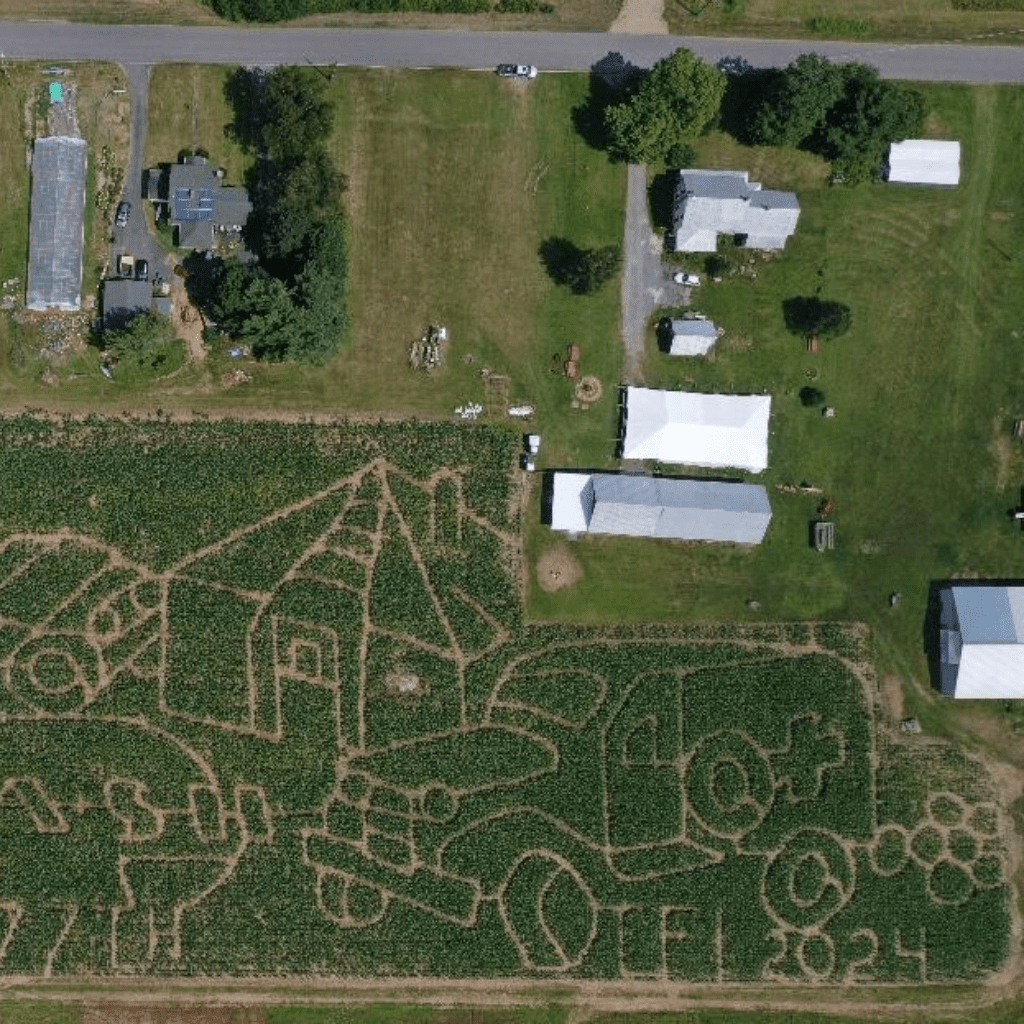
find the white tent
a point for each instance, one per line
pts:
(924, 162)
(697, 430)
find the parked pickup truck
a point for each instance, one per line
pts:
(126, 265)
(517, 71)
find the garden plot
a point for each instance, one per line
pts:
(307, 732)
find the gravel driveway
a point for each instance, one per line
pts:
(646, 282)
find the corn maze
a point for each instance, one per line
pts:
(267, 705)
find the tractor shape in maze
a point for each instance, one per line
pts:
(690, 810)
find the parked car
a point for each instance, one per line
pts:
(124, 210)
(141, 270)
(680, 277)
(517, 71)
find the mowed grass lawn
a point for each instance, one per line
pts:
(918, 458)
(455, 180)
(922, 20)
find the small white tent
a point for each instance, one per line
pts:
(697, 430)
(924, 162)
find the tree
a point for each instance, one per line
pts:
(295, 117)
(594, 268)
(142, 342)
(675, 102)
(798, 102)
(814, 317)
(810, 397)
(871, 115)
(256, 309)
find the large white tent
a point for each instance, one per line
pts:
(697, 430)
(924, 162)
(981, 641)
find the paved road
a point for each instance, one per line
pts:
(145, 44)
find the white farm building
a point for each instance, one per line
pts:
(924, 162)
(981, 641)
(712, 203)
(697, 430)
(641, 506)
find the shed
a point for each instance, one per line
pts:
(697, 429)
(981, 641)
(57, 230)
(56, 93)
(124, 299)
(681, 509)
(690, 337)
(923, 162)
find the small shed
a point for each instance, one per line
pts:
(56, 93)
(924, 162)
(690, 337)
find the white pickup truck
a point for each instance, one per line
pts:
(517, 71)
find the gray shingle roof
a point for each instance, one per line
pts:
(197, 198)
(699, 328)
(710, 203)
(123, 298)
(57, 231)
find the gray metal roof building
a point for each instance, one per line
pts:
(639, 506)
(691, 337)
(57, 231)
(712, 203)
(981, 641)
(123, 299)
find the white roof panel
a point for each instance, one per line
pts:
(568, 511)
(924, 162)
(990, 671)
(696, 429)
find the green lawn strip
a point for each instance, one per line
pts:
(188, 108)
(918, 457)
(921, 20)
(411, 1013)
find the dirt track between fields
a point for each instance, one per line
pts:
(194, 1001)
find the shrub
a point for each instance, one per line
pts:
(810, 397)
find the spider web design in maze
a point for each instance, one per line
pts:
(367, 765)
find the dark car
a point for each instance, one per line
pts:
(141, 270)
(123, 212)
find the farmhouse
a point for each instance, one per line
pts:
(713, 203)
(57, 232)
(198, 204)
(923, 162)
(689, 337)
(124, 299)
(697, 430)
(981, 641)
(639, 506)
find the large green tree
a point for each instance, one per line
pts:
(143, 342)
(295, 116)
(844, 112)
(797, 102)
(871, 115)
(676, 101)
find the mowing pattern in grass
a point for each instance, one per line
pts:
(267, 705)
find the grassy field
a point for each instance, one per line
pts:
(918, 458)
(919, 20)
(188, 109)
